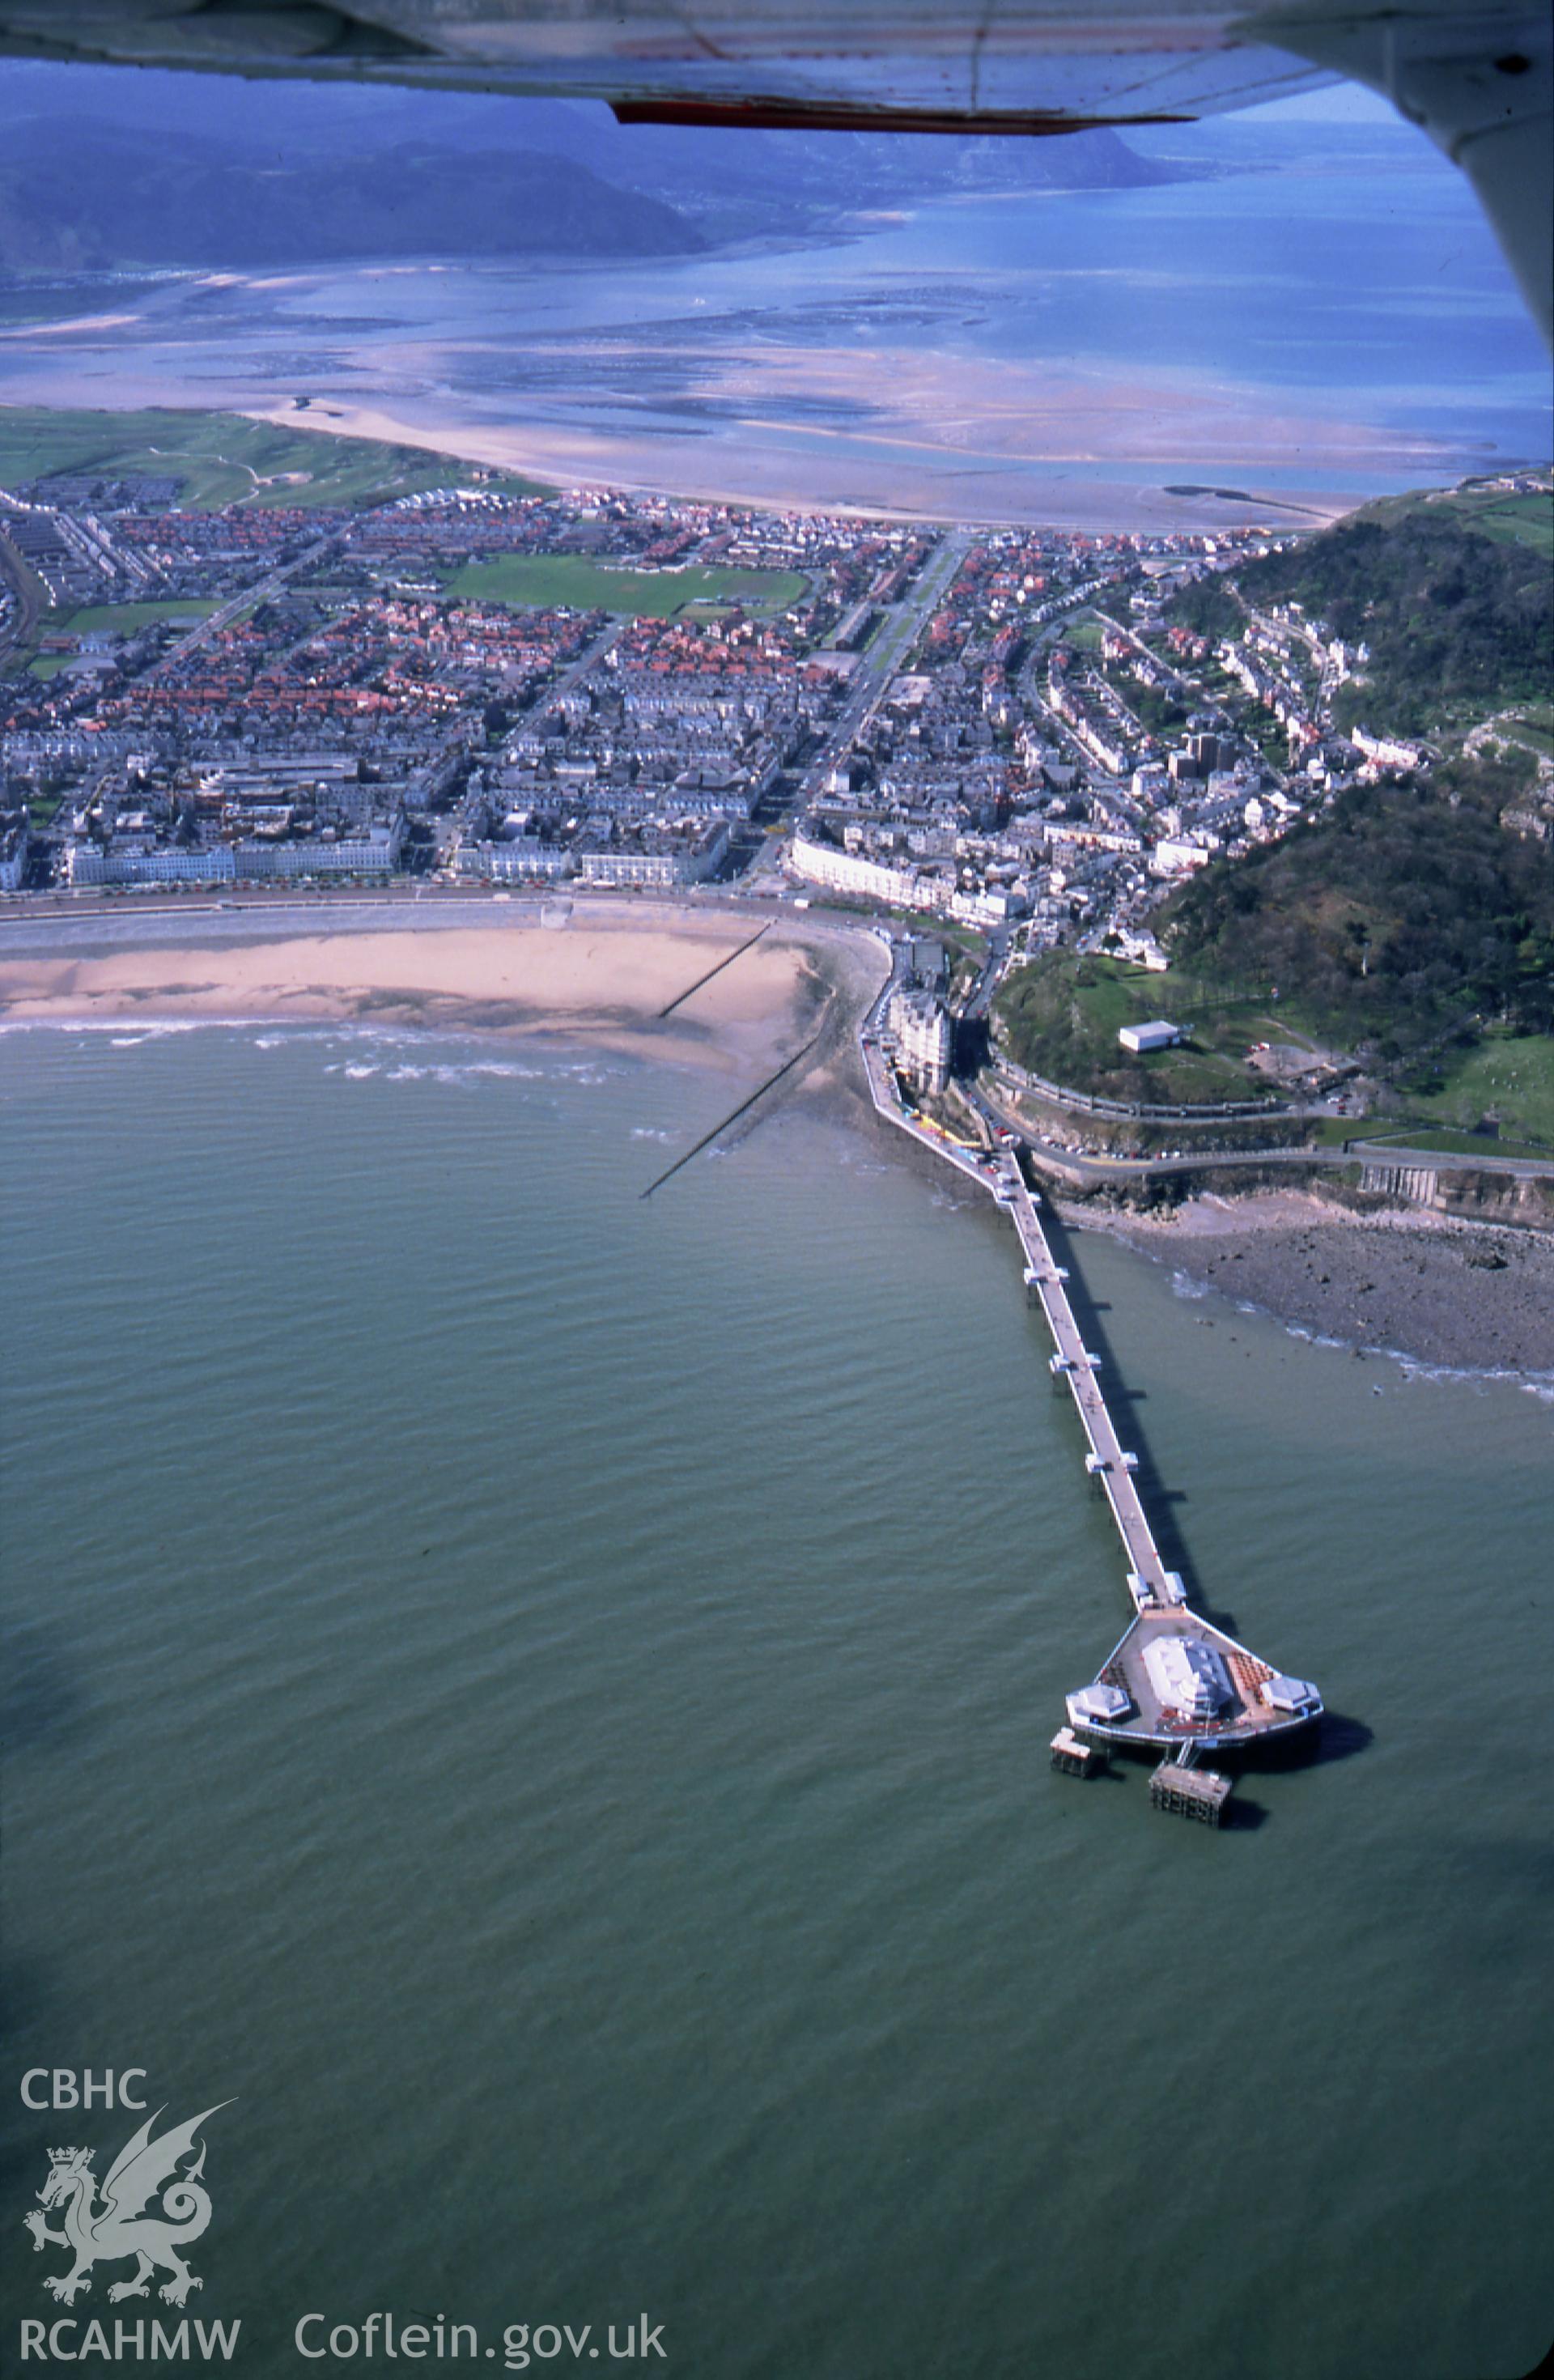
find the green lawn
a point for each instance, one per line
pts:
(123, 619)
(1513, 521)
(965, 938)
(221, 458)
(546, 579)
(1435, 1143)
(1065, 1013)
(1510, 520)
(1510, 1075)
(1526, 732)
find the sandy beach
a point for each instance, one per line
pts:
(1465, 1295)
(598, 977)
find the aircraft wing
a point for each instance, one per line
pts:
(1478, 79)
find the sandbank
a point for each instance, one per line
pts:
(905, 471)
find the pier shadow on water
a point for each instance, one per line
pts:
(1336, 1736)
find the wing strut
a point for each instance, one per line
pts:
(1481, 83)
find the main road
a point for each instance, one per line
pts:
(248, 600)
(1093, 1171)
(883, 656)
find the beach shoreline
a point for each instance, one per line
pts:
(746, 991)
(740, 992)
(1081, 494)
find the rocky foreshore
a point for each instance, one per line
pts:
(1466, 1295)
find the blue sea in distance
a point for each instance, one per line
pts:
(1318, 309)
(1381, 291)
(543, 1700)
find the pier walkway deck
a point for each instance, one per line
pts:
(1109, 1463)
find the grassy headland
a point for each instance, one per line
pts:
(1060, 1017)
(1403, 914)
(1408, 928)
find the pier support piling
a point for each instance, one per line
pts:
(1073, 1757)
(1199, 1793)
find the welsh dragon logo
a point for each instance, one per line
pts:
(126, 2223)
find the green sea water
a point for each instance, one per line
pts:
(542, 1699)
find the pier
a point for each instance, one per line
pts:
(1173, 1678)
(1174, 1683)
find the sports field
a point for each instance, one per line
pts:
(123, 619)
(546, 579)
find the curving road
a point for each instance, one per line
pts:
(1094, 1172)
(24, 587)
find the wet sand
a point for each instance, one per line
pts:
(1466, 1295)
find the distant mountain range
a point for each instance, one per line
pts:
(100, 168)
(77, 194)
